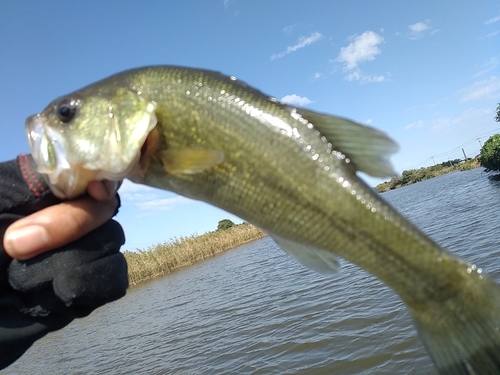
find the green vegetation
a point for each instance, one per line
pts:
(415, 175)
(490, 153)
(225, 224)
(169, 256)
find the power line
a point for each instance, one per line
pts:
(455, 149)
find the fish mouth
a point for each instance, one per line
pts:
(49, 152)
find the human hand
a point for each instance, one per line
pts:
(58, 224)
(47, 292)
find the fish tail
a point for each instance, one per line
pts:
(462, 334)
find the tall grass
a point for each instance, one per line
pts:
(169, 256)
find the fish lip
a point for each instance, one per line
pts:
(40, 143)
(48, 150)
(34, 135)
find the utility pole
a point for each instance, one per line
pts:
(432, 157)
(480, 143)
(465, 156)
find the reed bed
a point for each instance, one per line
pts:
(163, 258)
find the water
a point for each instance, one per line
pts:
(254, 310)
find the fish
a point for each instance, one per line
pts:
(291, 171)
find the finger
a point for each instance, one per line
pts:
(56, 226)
(103, 190)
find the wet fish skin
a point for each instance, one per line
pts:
(287, 170)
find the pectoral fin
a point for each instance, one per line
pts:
(319, 260)
(367, 148)
(190, 160)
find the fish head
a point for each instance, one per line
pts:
(92, 134)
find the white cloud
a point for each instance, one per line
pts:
(492, 20)
(295, 99)
(419, 29)
(437, 103)
(472, 118)
(489, 35)
(163, 204)
(148, 200)
(364, 47)
(133, 192)
(288, 29)
(138, 197)
(301, 43)
(317, 75)
(130, 187)
(480, 90)
(489, 65)
(442, 124)
(369, 121)
(417, 124)
(358, 75)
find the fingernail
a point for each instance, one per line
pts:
(111, 187)
(25, 241)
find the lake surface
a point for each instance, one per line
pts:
(254, 310)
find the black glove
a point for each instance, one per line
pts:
(47, 292)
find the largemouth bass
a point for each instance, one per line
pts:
(290, 171)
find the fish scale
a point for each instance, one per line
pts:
(290, 171)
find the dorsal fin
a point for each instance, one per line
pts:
(368, 149)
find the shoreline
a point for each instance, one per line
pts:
(414, 176)
(174, 254)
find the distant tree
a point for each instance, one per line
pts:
(449, 163)
(406, 177)
(225, 224)
(497, 117)
(490, 153)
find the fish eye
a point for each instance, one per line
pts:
(66, 110)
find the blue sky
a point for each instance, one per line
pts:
(426, 72)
